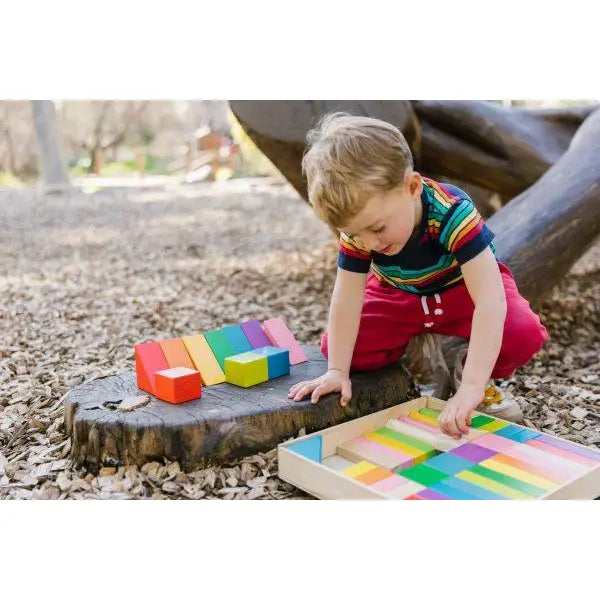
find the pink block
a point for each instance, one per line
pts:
(389, 483)
(550, 463)
(403, 459)
(280, 336)
(495, 442)
(419, 424)
(560, 452)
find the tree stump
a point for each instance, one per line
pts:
(226, 423)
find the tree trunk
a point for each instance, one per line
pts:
(50, 144)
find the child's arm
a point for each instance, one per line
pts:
(484, 282)
(344, 320)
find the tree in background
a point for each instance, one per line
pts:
(49, 143)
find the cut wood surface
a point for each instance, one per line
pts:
(227, 422)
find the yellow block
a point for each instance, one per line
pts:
(204, 360)
(424, 419)
(511, 471)
(494, 426)
(416, 453)
(493, 486)
(364, 466)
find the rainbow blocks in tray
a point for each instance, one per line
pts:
(409, 458)
(259, 365)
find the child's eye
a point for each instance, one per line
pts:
(379, 230)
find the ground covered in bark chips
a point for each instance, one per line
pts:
(83, 277)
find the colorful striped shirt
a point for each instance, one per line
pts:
(451, 233)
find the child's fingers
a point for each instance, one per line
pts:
(346, 392)
(307, 388)
(295, 388)
(319, 391)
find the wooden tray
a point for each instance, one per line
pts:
(304, 461)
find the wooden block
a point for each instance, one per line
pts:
(255, 334)
(374, 476)
(426, 419)
(479, 420)
(517, 433)
(570, 447)
(280, 336)
(413, 497)
(513, 482)
(493, 486)
(418, 455)
(561, 452)
(204, 360)
(424, 475)
(398, 490)
(311, 448)
(536, 480)
(178, 384)
(474, 490)
(429, 494)
(448, 463)
(495, 425)
(452, 493)
(434, 414)
(531, 468)
(363, 449)
(413, 442)
(149, 359)
(364, 466)
(438, 440)
(236, 338)
(473, 452)
(219, 345)
(337, 463)
(176, 354)
(562, 466)
(278, 360)
(246, 369)
(495, 442)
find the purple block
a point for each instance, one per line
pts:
(427, 494)
(255, 334)
(473, 452)
(565, 445)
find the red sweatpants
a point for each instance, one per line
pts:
(391, 318)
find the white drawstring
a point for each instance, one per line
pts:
(437, 311)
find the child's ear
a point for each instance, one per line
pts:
(415, 184)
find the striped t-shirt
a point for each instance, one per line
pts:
(451, 232)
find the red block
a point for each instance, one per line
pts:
(178, 384)
(280, 336)
(149, 359)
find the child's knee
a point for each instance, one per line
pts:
(529, 336)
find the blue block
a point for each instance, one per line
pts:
(526, 434)
(453, 493)
(449, 463)
(469, 488)
(512, 432)
(278, 360)
(237, 338)
(311, 448)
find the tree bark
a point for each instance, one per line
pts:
(50, 144)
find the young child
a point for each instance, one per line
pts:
(414, 257)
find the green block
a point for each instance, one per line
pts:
(423, 474)
(246, 369)
(219, 345)
(408, 440)
(516, 484)
(434, 414)
(479, 420)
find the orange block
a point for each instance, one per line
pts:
(179, 384)
(175, 353)
(374, 476)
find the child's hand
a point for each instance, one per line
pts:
(456, 417)
(332, 381)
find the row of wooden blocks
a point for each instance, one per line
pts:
(174, 370)
(410, 458)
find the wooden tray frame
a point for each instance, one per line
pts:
(327, 484)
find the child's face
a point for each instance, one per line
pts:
(387, 221)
